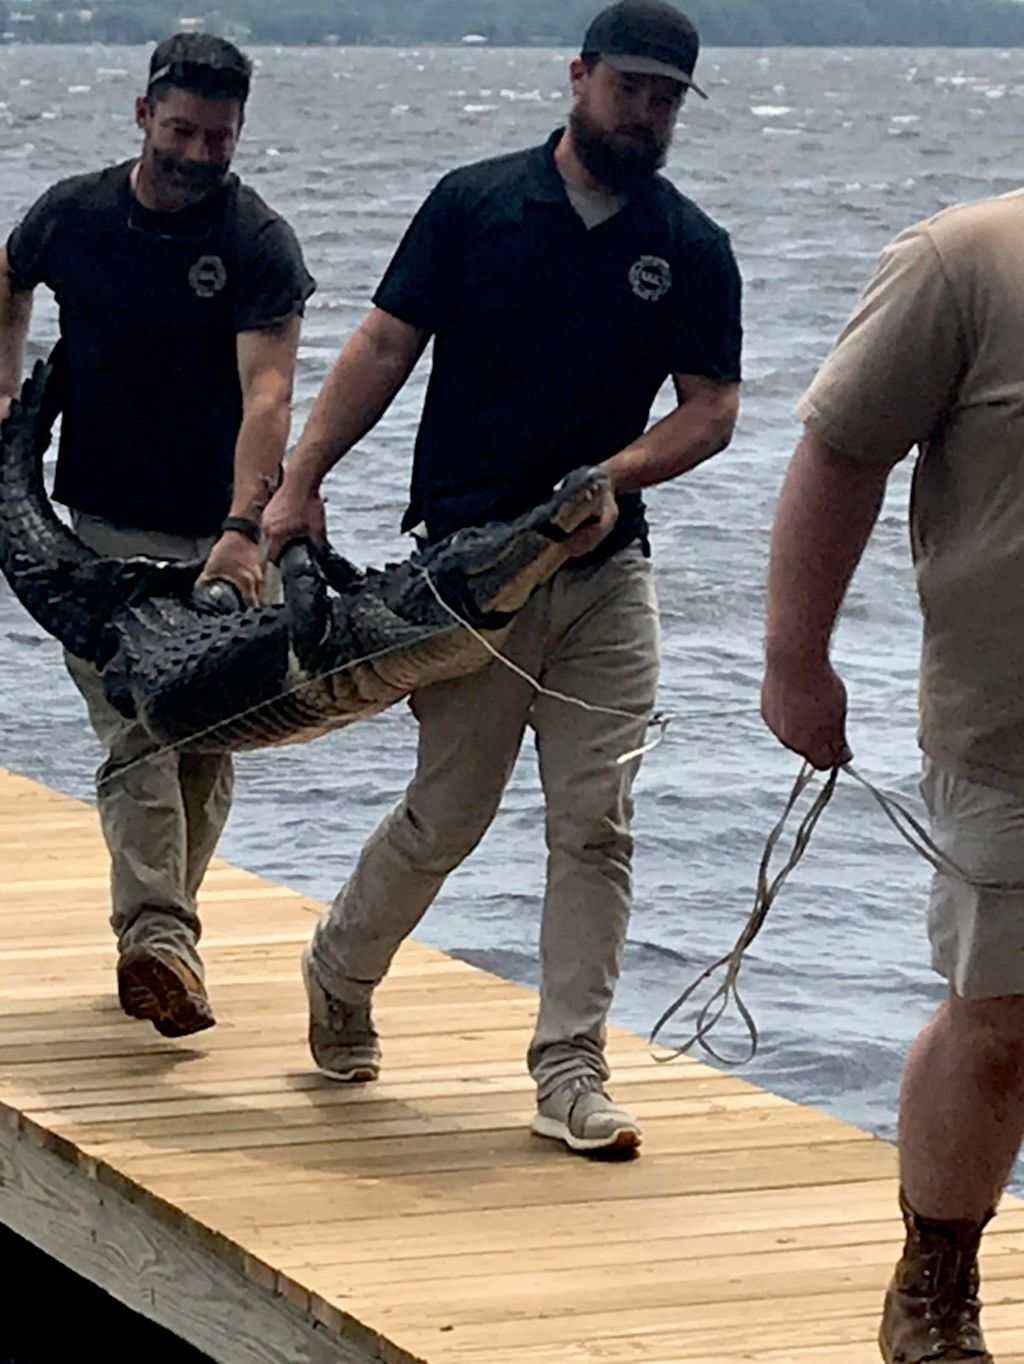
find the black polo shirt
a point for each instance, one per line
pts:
(151, 305)
(551, 341)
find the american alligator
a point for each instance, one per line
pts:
(203, 672)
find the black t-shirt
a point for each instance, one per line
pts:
(151, 305)
(551, 341)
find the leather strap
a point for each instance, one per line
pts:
(242, 524)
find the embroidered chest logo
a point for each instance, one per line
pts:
(651, 278)
(208, 276)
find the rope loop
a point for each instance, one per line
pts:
(727, 993)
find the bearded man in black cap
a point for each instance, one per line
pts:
(181, 295)
(562, 286)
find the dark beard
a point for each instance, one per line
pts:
(174, 177)
(619, 166)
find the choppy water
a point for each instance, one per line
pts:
(812, 159)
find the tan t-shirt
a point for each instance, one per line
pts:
(933, 357)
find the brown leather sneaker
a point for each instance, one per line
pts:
(932, 1310)
(154, 983)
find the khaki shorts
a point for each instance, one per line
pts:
(977, 936)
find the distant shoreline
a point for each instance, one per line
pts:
(258, 45)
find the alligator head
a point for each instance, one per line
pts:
(485, 572)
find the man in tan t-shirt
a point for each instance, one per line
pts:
(933, 357)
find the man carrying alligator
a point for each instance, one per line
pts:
(562, 287)
(180, 297)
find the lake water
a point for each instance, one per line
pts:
(812, 159)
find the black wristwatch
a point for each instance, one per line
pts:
(242, 524)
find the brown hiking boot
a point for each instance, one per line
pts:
(932, 1309)
(156, 984)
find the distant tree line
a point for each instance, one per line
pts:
(754, 23)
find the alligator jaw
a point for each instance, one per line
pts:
(521, 555)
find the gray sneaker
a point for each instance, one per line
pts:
(582, 1115)
(342, 1037)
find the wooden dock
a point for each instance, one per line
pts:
(223, 1189)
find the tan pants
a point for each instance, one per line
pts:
(161, 813)
(592, 633)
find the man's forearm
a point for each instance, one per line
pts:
(825, 516)
(679, 442)
(15, 312)
(259, 451)
(356, 394)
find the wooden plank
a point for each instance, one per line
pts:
(722, 1102)
(310, 1155)
(672, 1127)
(810, 1250)
(575, 1301)
(697, 1332)
(704, 1221)
(223, 1076)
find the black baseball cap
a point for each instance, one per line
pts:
(201, 61)
(648, 38)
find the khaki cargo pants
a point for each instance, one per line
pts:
(592, 632)
(161, 813)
